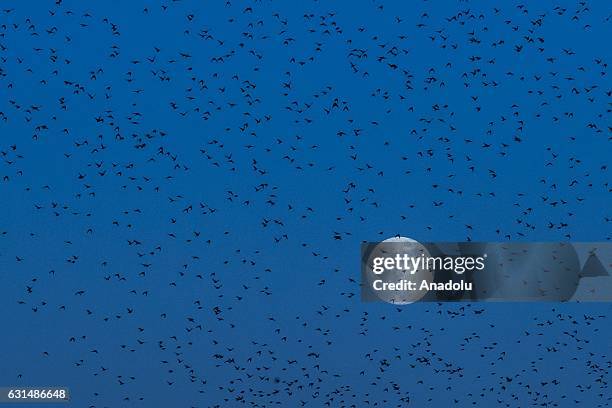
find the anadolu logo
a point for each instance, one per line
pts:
(401, 270)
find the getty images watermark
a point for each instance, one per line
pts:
(400, 270)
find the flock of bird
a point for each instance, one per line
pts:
(185, 187)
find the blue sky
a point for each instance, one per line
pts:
(379, 164)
